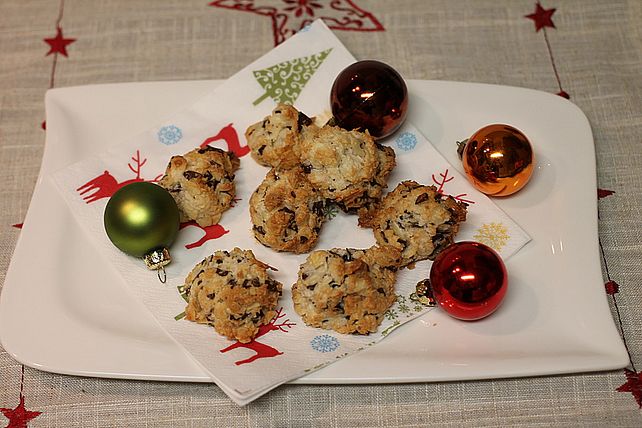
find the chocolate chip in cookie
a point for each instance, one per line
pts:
(232, 291)
(202, 184)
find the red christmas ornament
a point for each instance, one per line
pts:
(369, 95)
(468, 280)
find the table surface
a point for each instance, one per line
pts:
(588, 50)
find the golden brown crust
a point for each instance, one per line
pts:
(346, 290)
(274, 140)
(286, 212)
(346, 167)
(386, 161)
(339, 163)
(202, 184)
(417, 220)
(232, 292)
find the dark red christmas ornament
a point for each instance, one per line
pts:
(468, 280)
(369, 95)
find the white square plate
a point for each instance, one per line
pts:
(63, 310)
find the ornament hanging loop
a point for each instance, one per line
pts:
(162, 275)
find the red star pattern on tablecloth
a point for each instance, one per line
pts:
(20, 416)
(603, 193)
(293, 15)
(612, 287)
(58, 44)
(633, 385)
(542, 17)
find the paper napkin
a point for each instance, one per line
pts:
(299, 71)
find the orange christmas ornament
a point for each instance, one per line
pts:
(498, 159)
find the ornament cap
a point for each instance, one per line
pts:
(461, 145)
(157, 258)
(332, 122)
(423, 294)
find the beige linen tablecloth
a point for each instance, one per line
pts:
(589, 50)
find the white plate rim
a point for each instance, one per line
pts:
(607, 353)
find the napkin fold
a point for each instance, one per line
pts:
(299, 71)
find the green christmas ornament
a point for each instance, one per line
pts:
(142, 220)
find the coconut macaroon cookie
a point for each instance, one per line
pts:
(232, 291)
(417, 220)
(346, 290)
(339, 163)
(386, 161)
(202, 184)
(273, 141)
(286, 212)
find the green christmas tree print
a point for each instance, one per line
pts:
(284, 82)
(183, 293)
